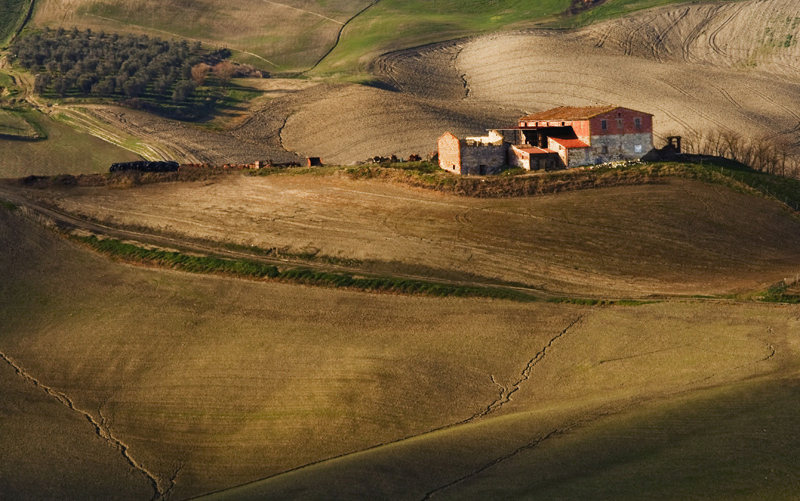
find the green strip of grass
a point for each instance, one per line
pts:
(8, 205)
(254, 270)
(780, 293)
(599, 302)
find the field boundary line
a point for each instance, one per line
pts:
(339, 36)
(303, 10)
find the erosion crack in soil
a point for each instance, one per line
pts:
(100, 428)
(505, 393)
(494, 462)
(505, 397)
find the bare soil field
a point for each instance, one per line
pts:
(695, 67)
(731, 442)
(50, 452)
(354, 123)
(681, 237)
(204, 383)
(192, 144)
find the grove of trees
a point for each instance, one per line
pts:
(775, 155)
(152, 73)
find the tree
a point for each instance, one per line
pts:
(85, 83)
(183, 91)
(161, 85)
(199, 73)
(104, 87)
(133, 87)
(41, 83)
(224, 71)
(62, 85)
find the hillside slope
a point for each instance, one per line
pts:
(212, 382)
(674, 237)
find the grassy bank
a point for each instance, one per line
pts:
(254, 270)
(719, 171)
(785, 291)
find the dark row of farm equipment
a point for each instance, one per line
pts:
(145, 166)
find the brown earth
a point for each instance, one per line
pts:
(211, 382)
(695, 67)
(680, 237)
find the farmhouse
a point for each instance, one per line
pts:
(473, 155)
(554, 139)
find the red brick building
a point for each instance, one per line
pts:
(588, 135)
(558, 138)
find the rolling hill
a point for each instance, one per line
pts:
(202, 383)
(676, 236)
(646, 366)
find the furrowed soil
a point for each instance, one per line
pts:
(729, 66)
(203, 383)
(677, 237)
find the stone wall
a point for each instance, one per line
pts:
(482, 159)
(519, 158)
(610, 148)
(450, 153)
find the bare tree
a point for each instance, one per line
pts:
(224, 71)
(199, 73)
(732, 144)
(783, 156)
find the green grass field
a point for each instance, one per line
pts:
(14, 124)
(65, 151)
(11, 15)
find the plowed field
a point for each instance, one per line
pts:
(682, 237)
(178, 385)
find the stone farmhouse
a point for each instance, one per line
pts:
(560, 138)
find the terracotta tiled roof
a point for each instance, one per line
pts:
(570, 143)
(537, 151)
(569, 113)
